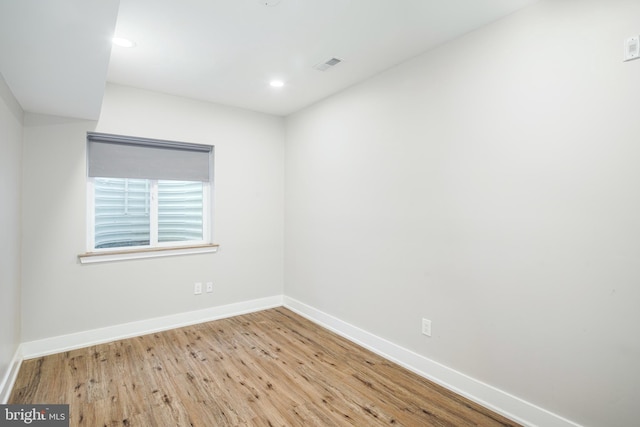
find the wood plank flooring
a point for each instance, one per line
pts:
(270, 368)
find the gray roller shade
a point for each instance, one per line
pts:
(115, 156)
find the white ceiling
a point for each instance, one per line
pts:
(56, 55)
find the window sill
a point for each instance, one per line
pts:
(123, 255)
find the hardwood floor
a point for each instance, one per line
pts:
(270, 368)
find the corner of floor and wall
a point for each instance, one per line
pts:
(497, 400)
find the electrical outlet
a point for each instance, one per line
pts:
(426, 327)
(197, 288)
(209, 287)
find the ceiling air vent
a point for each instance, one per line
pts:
(324, 66)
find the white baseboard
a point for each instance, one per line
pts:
(10, 376)
(495, 399)
(76, 340)
(488, 396)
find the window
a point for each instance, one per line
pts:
(146, 194)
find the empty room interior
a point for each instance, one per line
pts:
(388, 193)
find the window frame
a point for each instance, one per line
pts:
(155, 248)
(207, 237)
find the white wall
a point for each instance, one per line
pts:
(10, 171)
(60, 296)
(490, 185)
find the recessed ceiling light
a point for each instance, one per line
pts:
(276, 83)
(119, 41)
